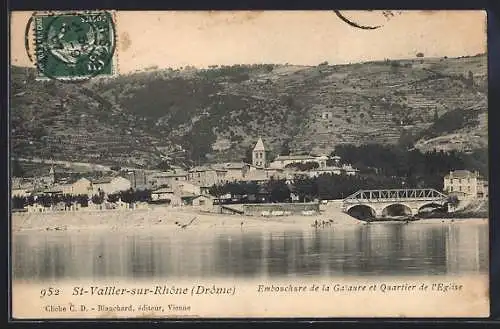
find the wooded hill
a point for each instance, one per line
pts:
(200, 115)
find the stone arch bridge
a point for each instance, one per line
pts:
(394, 202)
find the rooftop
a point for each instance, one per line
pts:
(298, 157)
(462, 174)
(230, 165)
(259, 146)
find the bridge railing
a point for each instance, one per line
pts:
(393, 195)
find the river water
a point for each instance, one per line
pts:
(358, 250)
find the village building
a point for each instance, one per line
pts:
(138, 179)
(233, 171)
(206, 176)
(21, 187)
(36, 207)
(110, 185)
(76, 186)
(168, 178)
(465, 184)
(188, 187)
(333, 170)
(165, 196)
(282, 161)
(201, 201)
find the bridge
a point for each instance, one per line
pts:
(395, 202)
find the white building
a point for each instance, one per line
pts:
(284, 160)
(345, 169)
(465, 184)
(110, 185)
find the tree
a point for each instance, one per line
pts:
(18, 202)
(310, 165)
(248, 155)
(278, 190)
(128, 196)
(420, 55)
(306, 188)
(164, 165)
(217, 190)
(406, 139)
(17, 169)
(113, 198)
(97, 199)
(285, 148)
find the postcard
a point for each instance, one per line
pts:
(229, 164)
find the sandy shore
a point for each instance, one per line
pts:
(162, 218)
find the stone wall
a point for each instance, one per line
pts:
(281, 209)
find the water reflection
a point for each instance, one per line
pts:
(392, 249)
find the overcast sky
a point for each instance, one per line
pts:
(175, 39)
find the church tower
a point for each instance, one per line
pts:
(52, 176)
(259, 154)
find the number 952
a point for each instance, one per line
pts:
(46, 292)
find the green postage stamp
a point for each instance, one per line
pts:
(74, 46)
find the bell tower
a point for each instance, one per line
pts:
(259, 154)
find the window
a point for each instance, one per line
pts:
(460, 181)
(451, 189)
(460, 188)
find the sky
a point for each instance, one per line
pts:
(178, 39)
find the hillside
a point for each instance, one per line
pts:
(217, 113)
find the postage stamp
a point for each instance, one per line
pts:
(74, 46)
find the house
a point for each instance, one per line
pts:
(282, 161)
(166, 196)
(21, 187)
(334, 170)
(466, 184)
(202, 201)
(110, 185)
(232, 171)
(187, 187)
(80, 186)
(206, 176)
(138, 179)
(168, 178)
(36, 207)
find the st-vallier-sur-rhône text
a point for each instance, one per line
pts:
(154, 290)
(379, 287)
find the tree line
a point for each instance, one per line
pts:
(305, 188)
(415, 166)
(48, 200)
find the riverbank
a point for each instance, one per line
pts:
(166, 218)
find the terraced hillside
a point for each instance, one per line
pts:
(217, 113)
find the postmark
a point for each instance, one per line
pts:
(74, 46)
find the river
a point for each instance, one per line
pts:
(387, 249)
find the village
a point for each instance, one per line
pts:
(196, 186)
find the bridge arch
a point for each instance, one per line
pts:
(362, 212)
(396, 209)
(430, 207)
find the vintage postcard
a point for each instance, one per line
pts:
(182, 164)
